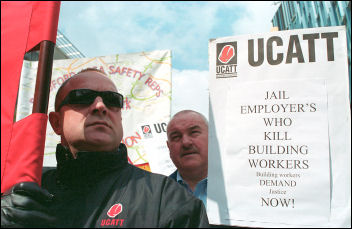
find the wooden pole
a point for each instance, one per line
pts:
(42, 85)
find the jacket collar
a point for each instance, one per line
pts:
(88, 167)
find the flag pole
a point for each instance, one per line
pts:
(42, 85)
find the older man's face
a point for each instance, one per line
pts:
(94, 127)
(187, 136)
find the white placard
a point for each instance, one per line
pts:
(311, 64)
(154, 142)
(277, 141)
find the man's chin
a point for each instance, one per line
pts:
(191, 161)
(101, 144)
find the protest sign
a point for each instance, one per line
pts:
(158, 153)
(279, 129)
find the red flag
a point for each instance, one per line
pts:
(23, 26)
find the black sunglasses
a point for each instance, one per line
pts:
(87, 96)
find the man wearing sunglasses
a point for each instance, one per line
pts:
(93, 184)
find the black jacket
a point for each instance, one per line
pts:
(100, 189)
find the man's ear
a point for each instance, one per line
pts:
(54, 118)
(167, 143)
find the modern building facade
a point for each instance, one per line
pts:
(64, 49)
(310, 14)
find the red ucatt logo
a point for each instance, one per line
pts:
(146, 129)
(226, 54)
(115, 210)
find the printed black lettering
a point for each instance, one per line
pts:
(311, 45)
(330, 44)
(269, 54)
(313, 107)
(294, 42)
(260, 60)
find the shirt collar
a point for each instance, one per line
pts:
(179, 179)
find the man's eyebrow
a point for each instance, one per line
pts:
(194, 127)
(174, 132)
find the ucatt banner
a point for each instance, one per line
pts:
(145, 81)
(279, 130)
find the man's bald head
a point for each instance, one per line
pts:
(59, 96)
(180, 113)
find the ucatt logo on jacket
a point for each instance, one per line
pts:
(114, 211)
(226, 61)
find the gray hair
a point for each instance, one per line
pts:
(190, 111)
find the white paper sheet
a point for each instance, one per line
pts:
(278, 152)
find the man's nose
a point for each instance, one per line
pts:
(186, 141)
(99, 105)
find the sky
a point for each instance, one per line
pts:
(99, 28)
